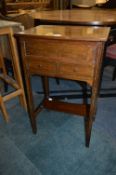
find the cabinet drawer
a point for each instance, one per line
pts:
(42, 67)
(65, 51)
(76, 72)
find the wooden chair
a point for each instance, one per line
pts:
(27, 22)
(16, 83)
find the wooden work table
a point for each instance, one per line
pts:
(13, 7)
(73, 53)
(93, 17)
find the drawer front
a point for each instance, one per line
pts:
(43, 48)
(75, 52)
(40, 67)
(76, 72)
(62, 50)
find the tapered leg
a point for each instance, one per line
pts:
(88, 129)
(34, 125)
(30, 103)
(88, 126)
(58, 81)
(45, 82)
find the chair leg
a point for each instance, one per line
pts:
(114, 74)
(3, 109)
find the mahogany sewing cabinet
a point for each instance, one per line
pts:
(68, 52)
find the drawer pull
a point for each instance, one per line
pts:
(75, 69)
(39, 65)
